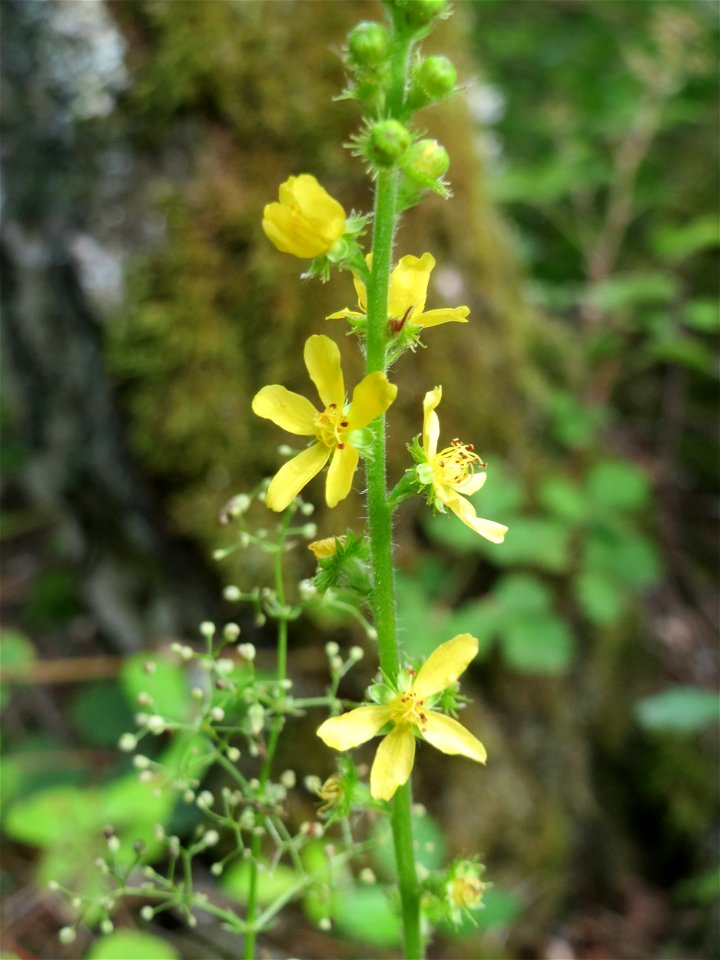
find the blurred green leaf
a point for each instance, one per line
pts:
(537, 541)
(629, 290)
(703, 315)
(566, 499)
(52, 815)
(53, 600)
(599, 597)
(499, 909)
(623, 556)
(680, 709)
(165, 682)
(519, 595)
(16, 658)
(430, 845)
(542, 645)
(703, 889)
(678, 242)
(101, 713)
(618, 485)
(684, 351)
(272, 883)
(574, 424)
(131, 945)
(364, 914)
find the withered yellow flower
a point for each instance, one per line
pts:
(406, 297)
(455, 472)
(306, 221)
(332, 427)
(410, 714)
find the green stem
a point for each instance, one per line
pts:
(380, 510)
(282, 643)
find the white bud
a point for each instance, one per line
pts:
(231, 631)
(216, 869)
(231, 593)
(331, 648)
(309, 530)
(147, 913)
(288, 779)
(233, 754)
(207, 629)
(156, 724)
(54, 886)
(186, 652)
(256, 716)
(367, 876)
(325, 923)
(211, 838)
(67, 935)
(206, 799)
(224, 665)
(307, 509)
(217, 714)
(113, 844)
(372, 633)
(247, 651)
(196, 693)
(307, 589)
(127, 742)
(356, 653)
(107, 926)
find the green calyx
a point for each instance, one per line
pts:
(368, 44)
(387, 143)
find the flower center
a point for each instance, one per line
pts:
(409, 708)
(330, 426)
(467, 891)
(456, 463)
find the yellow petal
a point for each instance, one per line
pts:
(393, 762)
(340, 475)
(408, 285)
(345, 314)
(445, 664)
(353, 728)
(371, 397)
(288, 410)
(326, 547)
(360, 290)
(293, 475)
(431, 423)
(322, 359)
(451, 737)
(307, 221)
(471, 484)
(433, 318)
(492, 531)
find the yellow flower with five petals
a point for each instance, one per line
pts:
(406, 297)
(409, 715)
(453, 473)
(332, 427)
(306, 221)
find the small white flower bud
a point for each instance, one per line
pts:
(205, 799)
(256, 716)
(224, 665)
(211, 838)
(372, 633)
(331, 648)
(146, 776)
(156, 724)
(312, 783)
(231, 593)
(307, 589)
(67, 935)
(191, 921)
(325, 923)
(207, 629)
(196, 693)
(307, 509)
(247, 651)
(336, 664)
(285, 451)
(367, 876)
(147, 913)
(127, 742)
(144, 699)
(233, 754)
(356, 653)
(54, 886)
(189, 796)
(309, 530)
(176, 647)
(113, 844)
(107, 926)
(231, 631)
(288, 779)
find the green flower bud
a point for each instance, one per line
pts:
(388, 143)
(434, 78)
(420, 13)
(368, 44)
(426, 160)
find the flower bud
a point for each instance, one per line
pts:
(433, 78)
(388, 143)
(368, 44)
(420, 13)
(426, 160)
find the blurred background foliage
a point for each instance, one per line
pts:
(143, 308)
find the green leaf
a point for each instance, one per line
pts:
(272, 883)
(703, 315)
(429, 840)
(519, 595)
(538, 541)
(680, 709)
(165, 681)
(364, 914)
(618, 485)
(566, 499)
(630, 290)
(686, 352)
(100, 713)
(600, 598)
(539, 646)
(678, 242)
(627, 558)
(16, 658)
(44, 818)
(131, 945)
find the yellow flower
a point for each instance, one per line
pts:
(406, 298)
(307, 221)
(332, 426)
(452, 473)
(327, 547)
(409, 714)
